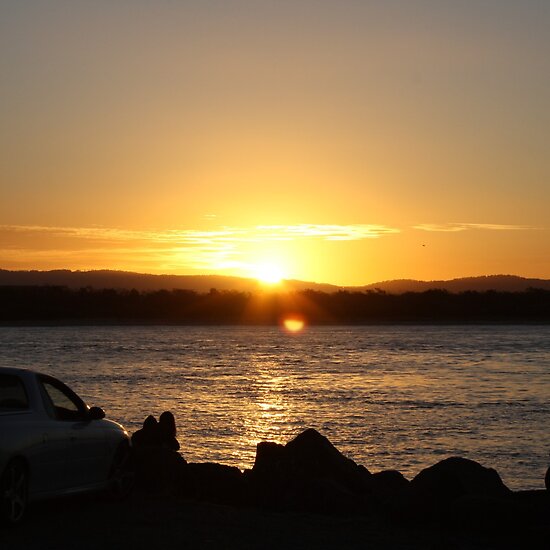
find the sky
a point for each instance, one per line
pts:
(346, 142)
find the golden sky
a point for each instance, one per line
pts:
(346, 142)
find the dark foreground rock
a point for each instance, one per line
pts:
(216, 483)
(433, 490)
(309, 475)
(457, 477)
(144, 522)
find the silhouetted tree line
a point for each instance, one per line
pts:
(85, 305)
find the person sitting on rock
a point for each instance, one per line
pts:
(149, 435)
(167, 431)
(158, 467)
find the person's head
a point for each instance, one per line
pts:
(168, 422)
(149, 422)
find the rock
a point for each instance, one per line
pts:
(312, 455)
(486, 514)
(308, 473)
(435, 488)
(215, 483)
(269, 457)
(387, 489)
(389, 481)
(455, 477)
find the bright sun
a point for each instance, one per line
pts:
(269, 273)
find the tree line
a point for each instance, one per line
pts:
(57, 304)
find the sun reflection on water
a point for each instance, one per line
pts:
(269, 411)
(294, 324)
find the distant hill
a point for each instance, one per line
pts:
(203, 283)
(142, 281)
(501, 283)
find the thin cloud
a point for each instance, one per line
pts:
(353, 232)
(223, 235)
(223, 248)
(456, 227)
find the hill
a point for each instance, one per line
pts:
(143, 281)
(500, 283)
(203, 283)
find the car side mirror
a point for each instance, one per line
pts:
(96, 413)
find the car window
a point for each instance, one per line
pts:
(66, 405)
(13, 396)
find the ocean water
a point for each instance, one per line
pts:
(390, 397)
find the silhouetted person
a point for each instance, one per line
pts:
(149, 435)
(167, 431)
(158, 467)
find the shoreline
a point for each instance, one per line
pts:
(161, 323)
(303, 495)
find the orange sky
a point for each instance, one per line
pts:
(340, 142)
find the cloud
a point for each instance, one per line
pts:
(456, 227)
(223, 235)
(353, 232)
(223, 248)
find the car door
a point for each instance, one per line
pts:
(35, 435)
(87, 453)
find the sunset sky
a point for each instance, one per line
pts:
(343, 141)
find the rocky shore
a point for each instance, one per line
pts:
(309, 475)
(305, 494)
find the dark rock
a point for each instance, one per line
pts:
(215, 483)
(312, 455)
(486, 514)
(435, 488)
(537, 502)
(389, 482)
(455, 477)
(387, 490)
(269, 457)
(308, 473)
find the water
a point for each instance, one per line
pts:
(388, 397)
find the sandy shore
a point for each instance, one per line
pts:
(145, 522)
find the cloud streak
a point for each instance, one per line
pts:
(457, 227)
(222, 235)
(222, 248)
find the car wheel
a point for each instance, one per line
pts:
(14, 492)
(121, 478)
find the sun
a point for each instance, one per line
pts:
(269, 273)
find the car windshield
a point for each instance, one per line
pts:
(12, 393)
(66, 404)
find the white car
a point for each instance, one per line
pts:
(53, 444)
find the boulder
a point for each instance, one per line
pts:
(217, 483)
(387, 491)
(455, 477)
(434, 489)
(308, 473)
(388, 483)
(312, 455)
(270, 457)
(483, 513)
